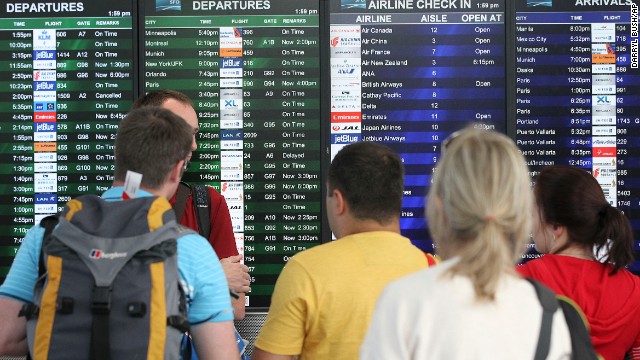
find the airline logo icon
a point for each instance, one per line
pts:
(44, 75)
(231, 135)
(230, 73)
(231, 145)
(345, 41)
(603, 141)
(603, 100)
(44, 147)
(45, 199)
(44, 85)
(604, 162)
(603, 69)
(604, 172)
(230, 114)
(44, 55)
(231, 124)
(345, 138)
(346, 128)
(44, 96)
(604, 32)
(44, 157)
(44, 39)
(347, 117)
(45, 127)
(603, 80)
(230, 32)
(44, 106)
(230, 63)
(351, 30)
(606, 48)
(603, 89)
(44, 117)
(45, 167)
(231, 104)
(230, 93)
(603, 119)
(230, 83)
(338, 52)
(232, 190)
(603, 130)
(45, 182)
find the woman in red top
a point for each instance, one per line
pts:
(574, 219)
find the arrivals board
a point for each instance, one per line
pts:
(66, 79)
(577, 93)
(407, 74)
(252, 69)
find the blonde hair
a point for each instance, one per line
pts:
(480, 207)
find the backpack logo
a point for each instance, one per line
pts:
(98, 254)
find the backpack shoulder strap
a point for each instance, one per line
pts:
(184, 190)
(549, 304)
(48, 223)
(202, 207)
(579, 329)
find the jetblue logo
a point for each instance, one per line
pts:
(44, 55)
(45, 85)
(45, 127)
(230, 63)
(345, 139)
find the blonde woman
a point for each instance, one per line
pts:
(473, 305)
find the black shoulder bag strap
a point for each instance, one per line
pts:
(202, 206)
(549, 304)
(582, 348)
(184, 190)
(48, 223)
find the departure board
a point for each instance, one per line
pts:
(66, 80)
(252, 69)
(577, 93)
(407, 73)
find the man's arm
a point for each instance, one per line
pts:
(215, 340)
(237, 275)
(259, 354)
(238, 307)
(13, 329)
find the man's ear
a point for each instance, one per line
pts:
(175, 175)
(339, 202)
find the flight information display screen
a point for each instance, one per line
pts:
(66, 80)
(577, 86)
(407, 73)
(252, 69)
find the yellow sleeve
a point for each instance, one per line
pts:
(293, 299)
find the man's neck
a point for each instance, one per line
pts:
(362, 226)
(162, 191)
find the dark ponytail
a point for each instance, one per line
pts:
(614, 238)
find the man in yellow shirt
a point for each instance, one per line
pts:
(325, 296)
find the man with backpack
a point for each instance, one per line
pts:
(202, 208)
(152, 148)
